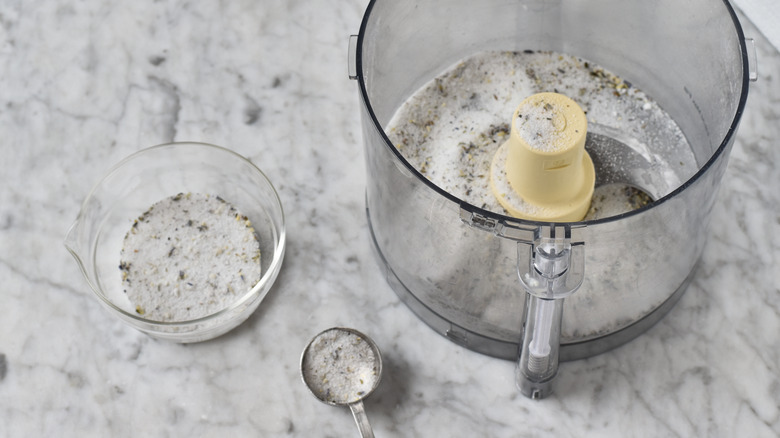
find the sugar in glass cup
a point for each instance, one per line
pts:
(128, 190)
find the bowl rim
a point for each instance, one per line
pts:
(719, 152)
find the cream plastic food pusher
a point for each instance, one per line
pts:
(542, 172)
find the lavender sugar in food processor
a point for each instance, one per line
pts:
(540, 254)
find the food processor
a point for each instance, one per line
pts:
(539, 291)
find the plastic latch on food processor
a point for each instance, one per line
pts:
(457, 334)
(352, 57)
(505, 229)
(750, 45)
(479, 221)
(550, 268)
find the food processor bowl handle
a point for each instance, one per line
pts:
(537, 365)
(550, 269)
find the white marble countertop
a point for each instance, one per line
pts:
(85, 84)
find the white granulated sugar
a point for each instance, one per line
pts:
(536, 126)
(340, 366)
(189, 256)
(450, 129)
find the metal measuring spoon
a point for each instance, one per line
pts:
(342, 366)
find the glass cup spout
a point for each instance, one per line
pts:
(79, 238)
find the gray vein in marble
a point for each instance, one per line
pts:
(170, 106)
(3, 367)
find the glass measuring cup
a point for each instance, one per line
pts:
(129, 188)
(341, 367)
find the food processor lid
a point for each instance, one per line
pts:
(747, 76)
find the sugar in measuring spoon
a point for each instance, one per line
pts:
(342, 366)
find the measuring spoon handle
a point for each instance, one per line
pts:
(359, 413)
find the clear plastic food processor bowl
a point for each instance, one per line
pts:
(537, 291)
